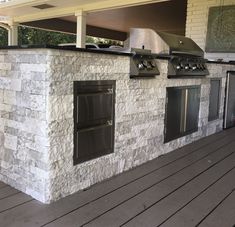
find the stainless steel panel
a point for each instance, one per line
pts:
(94, 109)
(174, 122)
(214, 103)
(163, 43)
(182, 111)
(94, 142)
(193, 105)
(229, 118)
(94, 105)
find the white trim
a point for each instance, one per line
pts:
(5, 26)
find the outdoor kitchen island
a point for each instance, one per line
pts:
(37, 117)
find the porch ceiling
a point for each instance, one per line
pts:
(24, 10)
(115, 23)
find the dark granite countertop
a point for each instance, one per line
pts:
(99, 51)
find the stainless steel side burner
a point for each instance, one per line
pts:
(143, 64)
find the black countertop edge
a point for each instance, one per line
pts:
(222, 62)
(156, 56)
(99, 51)
(115, 52)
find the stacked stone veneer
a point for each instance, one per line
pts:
(36, 118)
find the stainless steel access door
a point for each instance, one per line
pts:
(229, 115)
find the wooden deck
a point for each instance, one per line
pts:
(192, 186)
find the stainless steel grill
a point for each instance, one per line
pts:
(186, 58)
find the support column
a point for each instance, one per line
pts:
(13, 35)
(81, 29)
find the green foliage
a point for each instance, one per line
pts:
(32, 36)
(3, 37)
(90, 39)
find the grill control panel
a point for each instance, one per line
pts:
(143, 65)
(187, 66)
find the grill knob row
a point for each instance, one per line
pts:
(146, 65)
(189, 67)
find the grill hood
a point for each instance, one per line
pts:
(163, 43)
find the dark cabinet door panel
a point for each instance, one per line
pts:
(94, 108)
(193, 105)
(182, 111)
(214, 103)
(229, 118)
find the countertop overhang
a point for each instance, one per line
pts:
(100, 51)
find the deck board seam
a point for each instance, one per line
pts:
(178, 188)
(208, 214)
(208, 187)
(10, 195)
(16, 206)
(157, 183)
(142, 177)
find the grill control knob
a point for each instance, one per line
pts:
(178, 67)
(140, 66)
(194, 67)
(145, 63)
(186, 67)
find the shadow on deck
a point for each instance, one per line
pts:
(191, 186)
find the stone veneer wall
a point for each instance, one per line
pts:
(23, 125)
(196, 24)
(36, 118)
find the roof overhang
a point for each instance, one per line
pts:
(21, 11)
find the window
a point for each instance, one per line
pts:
(214, 101)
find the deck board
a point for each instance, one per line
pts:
(199, 208)
(224, 215)
(164, 189)
(147, 183)
(14, 201)
(151, 185)
(7, 191)
(156, 215)
(2, 185)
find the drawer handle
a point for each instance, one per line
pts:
(108, 123)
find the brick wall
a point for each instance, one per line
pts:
(196, 23)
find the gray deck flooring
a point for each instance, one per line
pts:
(191, 186)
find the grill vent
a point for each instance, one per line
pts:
(43, 6)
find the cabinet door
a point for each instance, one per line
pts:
(229, 120)
(214, 103)
(193, 102)
(174, 113)
(182, 111)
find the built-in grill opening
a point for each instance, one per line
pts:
(94, 107)
(186, 58)
(182, 111)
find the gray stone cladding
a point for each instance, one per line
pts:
(36, 118)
